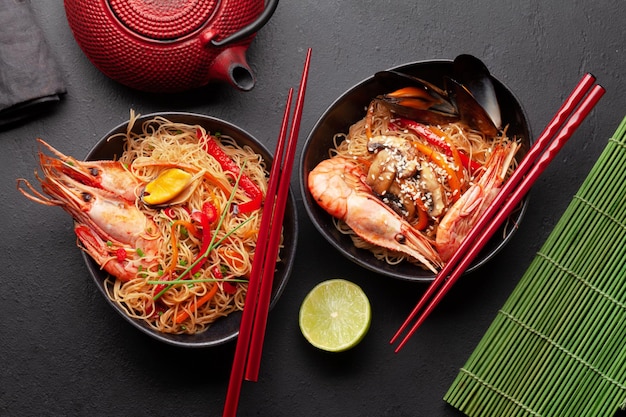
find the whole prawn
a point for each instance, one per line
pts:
(100, 196)
(466, 211)
(337, 185)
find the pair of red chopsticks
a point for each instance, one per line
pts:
(254, 319)
(571, 114)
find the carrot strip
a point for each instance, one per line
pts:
(191, 228)
(213, 180)
(422, 216)
(168, 272)
(453, 150)
(440, 160)
(232, 258)
(183, 315)
(369, 120)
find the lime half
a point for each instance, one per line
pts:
(335, 315)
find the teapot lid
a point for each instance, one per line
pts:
(164, 19)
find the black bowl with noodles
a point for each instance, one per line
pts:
(351, 107)
(227, 328)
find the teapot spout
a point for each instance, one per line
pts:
(231, 66)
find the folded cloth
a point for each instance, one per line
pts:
(30, 79)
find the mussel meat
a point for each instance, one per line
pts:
(172, 186)
(417, 99)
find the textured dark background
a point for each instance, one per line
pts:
(65, 352)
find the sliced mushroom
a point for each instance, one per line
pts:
(382, 172)
(432, 186)
(401, 153)
(404, 201)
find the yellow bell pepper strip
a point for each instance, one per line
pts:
(247, 185)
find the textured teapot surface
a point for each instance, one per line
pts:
(168, 45)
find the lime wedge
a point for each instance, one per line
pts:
(335, 315)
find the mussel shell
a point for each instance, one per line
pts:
(472, 73)
(468, 95)
(471, 112)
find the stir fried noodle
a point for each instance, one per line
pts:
(197, 296)
(456, 140)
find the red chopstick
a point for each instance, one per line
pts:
(576, 108)
(261, 276)
(260, 321)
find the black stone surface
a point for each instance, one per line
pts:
(64, 351)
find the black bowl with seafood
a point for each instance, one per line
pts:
(226, 328)
(351, 107)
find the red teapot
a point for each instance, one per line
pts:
(169, 45)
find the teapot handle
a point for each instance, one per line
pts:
(252, 28)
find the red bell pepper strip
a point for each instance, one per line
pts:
(155, 310)
(227, 287)
(160, 287)
(169, 212)
(247, 185)
(438, 139)
(208, 216)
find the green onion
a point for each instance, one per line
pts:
(195, 281)
(556, 347)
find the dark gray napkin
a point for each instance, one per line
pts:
(30, 79)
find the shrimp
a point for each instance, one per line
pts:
(100, 196)
(466, 211)
(338, 186)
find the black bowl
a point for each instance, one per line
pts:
(226, 328)
(349, 108)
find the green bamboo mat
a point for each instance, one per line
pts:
(558, 345)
